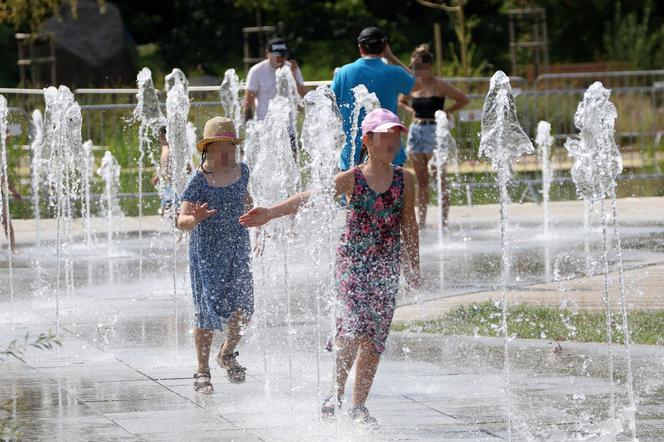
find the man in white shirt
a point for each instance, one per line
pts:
(262, 79)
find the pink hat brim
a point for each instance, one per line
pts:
(385, 127)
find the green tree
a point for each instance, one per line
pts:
(637, 42)
(30, 14)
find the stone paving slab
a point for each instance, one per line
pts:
(122, 374)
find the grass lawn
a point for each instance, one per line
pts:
(542, 322)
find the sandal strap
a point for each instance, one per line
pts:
(230, 355)
(202, 375)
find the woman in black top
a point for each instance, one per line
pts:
(428, 96)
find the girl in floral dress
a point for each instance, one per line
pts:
(380, 211)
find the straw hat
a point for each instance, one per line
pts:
(217, 129)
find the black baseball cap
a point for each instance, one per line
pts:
(370, 35)
(277, 46)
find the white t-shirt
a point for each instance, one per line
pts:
(262, 79)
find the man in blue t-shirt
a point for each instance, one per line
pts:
(386, 81)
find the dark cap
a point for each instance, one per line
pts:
(371, 35)
(277, 46)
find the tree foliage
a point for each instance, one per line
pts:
(632, 39)
(30, 14)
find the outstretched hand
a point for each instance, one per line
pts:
(255, 217)
(200, 212)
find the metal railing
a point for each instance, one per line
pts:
(638, 96)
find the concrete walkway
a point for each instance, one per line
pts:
(125, 369)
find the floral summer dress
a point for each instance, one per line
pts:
(219, 252)
(369, 260)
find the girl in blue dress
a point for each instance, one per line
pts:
(219, 250)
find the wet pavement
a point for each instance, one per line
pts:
(124, 371)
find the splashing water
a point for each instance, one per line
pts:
(86, 177)
(544, 141)
(287, 88)
(148, 110)
(322, 135)
(109, 171)
(148, 113)
(446, 150)
(4, 112)
(37, 168)
(597, 160)
(177, 112)
(597, 163)
(445, 143)
(63, 148)
(322, 138)
(503, 141)
(364, 102)
(191, 140)
(274, 178)
(229, 92)
(251, 145)
(275, 175)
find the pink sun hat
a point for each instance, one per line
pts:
(381, 120)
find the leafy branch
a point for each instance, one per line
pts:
(16, 348)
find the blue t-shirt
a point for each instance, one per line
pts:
(386, 81)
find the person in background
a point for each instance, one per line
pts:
(262, 79)
(387, 81)
(428, 96)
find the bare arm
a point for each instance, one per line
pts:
(404, 103)
(410, 232)
(191, 214)
(249, 102)
(164, 162)
(389, 56)
(343, 184)
(447, 90)
(262, 215)
(301, 88)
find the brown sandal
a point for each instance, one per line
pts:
(234, 370)
(202, 383)
(329, 407)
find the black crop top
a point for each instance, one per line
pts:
(426, 107)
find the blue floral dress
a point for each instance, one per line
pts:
(369, 260)
(220, 252)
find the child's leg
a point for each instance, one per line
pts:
(238, 322)
(203, 342)
(346, 352)
(367, 364)
(420, 164)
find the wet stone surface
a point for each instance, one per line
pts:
(125, 369)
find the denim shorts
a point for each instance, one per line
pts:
(421, 138)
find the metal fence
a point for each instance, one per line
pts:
(638, 96)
